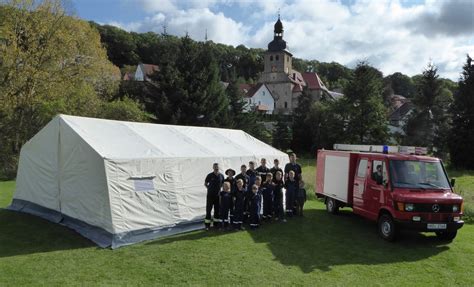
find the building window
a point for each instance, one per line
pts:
(286, 105)
(287, 58)
(259, 103)
(263, 93)
(271, 58)
(277, 58)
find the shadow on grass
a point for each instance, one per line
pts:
(320, 240)
(22, 234)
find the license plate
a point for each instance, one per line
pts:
(436, 225)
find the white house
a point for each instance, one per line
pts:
(258, 98)
(144, 71)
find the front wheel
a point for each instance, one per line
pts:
(386, 227)
(331, 205)
(443, 235)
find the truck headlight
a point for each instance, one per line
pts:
(409, 207)
(455, 208)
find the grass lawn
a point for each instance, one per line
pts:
(318, 249)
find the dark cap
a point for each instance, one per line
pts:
(230, 170)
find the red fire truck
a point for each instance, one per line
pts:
(398, 187)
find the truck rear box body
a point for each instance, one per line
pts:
(335, 175)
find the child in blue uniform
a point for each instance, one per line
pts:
(239, 195)
(278, 184)
(292, 187)
(300, 198)
(255, 208)
(225, 204)
(267, 194)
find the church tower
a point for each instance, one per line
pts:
(277, 71)
(277, 58)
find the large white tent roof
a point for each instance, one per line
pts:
(122, 140)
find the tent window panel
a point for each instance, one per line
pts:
(144, 184)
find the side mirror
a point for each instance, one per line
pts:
(453, 182)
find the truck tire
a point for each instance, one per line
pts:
(448, 236)
(386, 227)
(331, 205)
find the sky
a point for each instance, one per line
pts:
(392, 35)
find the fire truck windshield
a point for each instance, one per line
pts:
(418, 174)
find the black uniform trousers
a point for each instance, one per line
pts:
(212, 202)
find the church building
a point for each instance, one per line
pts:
(285, 83)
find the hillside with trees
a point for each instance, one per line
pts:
(52, 62)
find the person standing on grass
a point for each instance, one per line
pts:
(255, 202)
(225, 204)
(252, 174)
(300, 198)
(238, 197)
(275, 168)
(262, 170)
(278, 184)
(293, 166)
(231, 180)
(267, 194)
(291, 186)
(213, 183)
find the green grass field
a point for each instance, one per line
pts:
(318, 249)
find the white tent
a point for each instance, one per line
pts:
(118, 183)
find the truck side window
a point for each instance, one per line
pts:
(362, 170)
(377, 171)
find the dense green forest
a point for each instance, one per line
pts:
(51, 62)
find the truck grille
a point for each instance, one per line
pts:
(433, 208)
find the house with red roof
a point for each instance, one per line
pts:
(258, 97)
(144, 71)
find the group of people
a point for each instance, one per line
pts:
(237, 199)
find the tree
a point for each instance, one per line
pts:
(462, 133)
(190, 88)
(401, 84)
(49, 63)
(367, 123)
(302, 138)
(282, 134)
(428, 124)
(241, 117)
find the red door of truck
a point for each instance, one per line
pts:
(359, 204)
(374, 195)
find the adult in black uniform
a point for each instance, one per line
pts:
(292, 165)
(252, 174)
(262, 170)
(275, 168)
(213, 183)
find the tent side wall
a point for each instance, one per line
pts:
(37, 176)
(152, 198)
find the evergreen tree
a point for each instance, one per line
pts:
(302, 137)
(240, 116)
(428, 124)
(191, 89)
(462, 133)
(367, 123)
(282, 134)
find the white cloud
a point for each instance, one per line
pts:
(392, 36)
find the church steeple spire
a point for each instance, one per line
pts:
(278, 44)
(278, 28)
